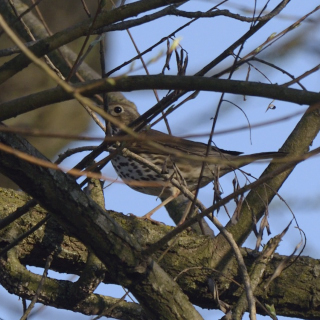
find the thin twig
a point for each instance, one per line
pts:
(17, 214)
(24, 235)
(287, 166)
(41, 283)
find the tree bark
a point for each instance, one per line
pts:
(293, 293)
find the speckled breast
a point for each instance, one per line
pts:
(139, 177)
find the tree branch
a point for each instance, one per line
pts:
(188, 83)
(120, 252)
(191, 251)
(61, 38)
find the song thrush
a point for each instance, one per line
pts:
(180, 158)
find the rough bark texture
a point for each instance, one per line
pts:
(295, 293)
(119, 251)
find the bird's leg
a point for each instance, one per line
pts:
(175, 191)
(147, 216)
(185, 213)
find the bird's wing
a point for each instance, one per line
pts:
(172, 144)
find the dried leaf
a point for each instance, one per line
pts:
(175, 43)
(271, 106)
(285, 262)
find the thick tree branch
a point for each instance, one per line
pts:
(297, 144)
(119, 251)
(191, 254)
(60, 293)
(188, 83)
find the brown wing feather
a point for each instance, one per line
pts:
(183, 145)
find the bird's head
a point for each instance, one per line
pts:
(124, 113)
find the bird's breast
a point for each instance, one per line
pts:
(141, 178)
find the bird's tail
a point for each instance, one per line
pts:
(243, 160)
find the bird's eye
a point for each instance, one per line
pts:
(117, 109)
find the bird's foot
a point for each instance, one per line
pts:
(147, 217)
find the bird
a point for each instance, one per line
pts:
(174, 158)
